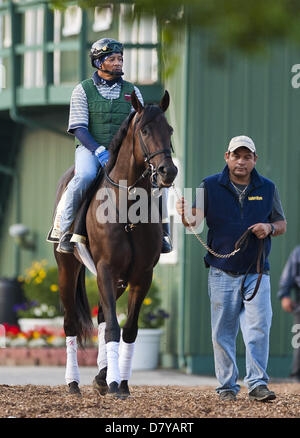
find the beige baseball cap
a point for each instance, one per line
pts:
(241, 141)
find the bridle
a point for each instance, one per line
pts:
(151, 169)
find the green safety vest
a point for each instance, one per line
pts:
(106, 115)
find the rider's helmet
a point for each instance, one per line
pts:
(103, 48)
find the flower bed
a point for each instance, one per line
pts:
(41, 346)
(38, 337)
(45, 356)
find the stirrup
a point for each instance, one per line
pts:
(166, 244)
(64, 245)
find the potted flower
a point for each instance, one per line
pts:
(151, 320)
(42, 305)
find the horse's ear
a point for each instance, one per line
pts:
(165, 101)
(136, 103)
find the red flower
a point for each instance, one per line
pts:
(11, 329)
(95, 311)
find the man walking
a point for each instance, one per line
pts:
(235, 200)
(290, 280)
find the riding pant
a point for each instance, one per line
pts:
(86, 169)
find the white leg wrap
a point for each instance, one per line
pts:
(101, 358)
(125, 360)
(113, 371)
(72, 370)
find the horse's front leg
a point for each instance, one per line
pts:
(138, 291)
(99, 382)
(108, 296)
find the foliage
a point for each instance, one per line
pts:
(248, 26)
(151, 314)
(40, 285)
(41, 292)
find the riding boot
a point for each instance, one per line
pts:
(166, 243)
(64, 245)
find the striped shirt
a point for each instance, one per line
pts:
(79, 112)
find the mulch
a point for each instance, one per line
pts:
(30, 401)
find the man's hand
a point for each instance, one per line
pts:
(287, 304)
(261, 230)
(182, 207)
(102, 154)
(191, 217)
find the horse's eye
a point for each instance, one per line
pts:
(144, 131)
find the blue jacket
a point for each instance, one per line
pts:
(227, 220)
(290, 277)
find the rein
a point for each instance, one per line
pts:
(150, 170)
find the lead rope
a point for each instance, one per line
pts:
(220, 256)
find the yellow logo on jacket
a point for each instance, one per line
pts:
(255, 198)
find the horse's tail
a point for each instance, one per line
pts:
(84, 320)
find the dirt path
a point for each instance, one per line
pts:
(146, 402)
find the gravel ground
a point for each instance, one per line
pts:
(32, 401)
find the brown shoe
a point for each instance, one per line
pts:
(262, 393)
(227, 396)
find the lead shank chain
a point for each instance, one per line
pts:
(220, 256)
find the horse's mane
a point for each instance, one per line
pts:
(149, 113)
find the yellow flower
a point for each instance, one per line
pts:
(54, 287)
(21, 335)
(147, 301)
(20, 278)
(32, 273)
(35, 335)
(42, 273)
(38, 280)
(36, 265)
(51, 338)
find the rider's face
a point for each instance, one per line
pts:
(113, 63)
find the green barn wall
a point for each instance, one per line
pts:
(252, 97)
(44, 156)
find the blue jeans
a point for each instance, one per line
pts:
(229, 312)
(86, 169)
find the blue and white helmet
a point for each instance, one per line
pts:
(103, 48)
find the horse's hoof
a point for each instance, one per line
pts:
(100, 385)
(74, 388)
(124, 390)
(113, 389)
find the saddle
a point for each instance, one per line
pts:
(79, 225)
(242, 244)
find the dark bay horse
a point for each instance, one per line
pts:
(140, 154)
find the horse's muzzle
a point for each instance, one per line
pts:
(166, 174)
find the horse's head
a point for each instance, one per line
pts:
(152, 140)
